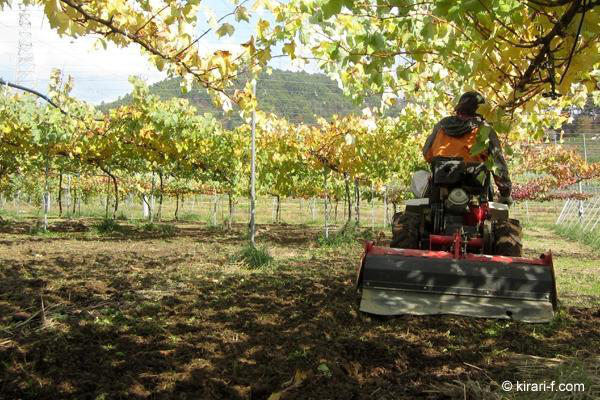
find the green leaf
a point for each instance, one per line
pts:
(428, 31)
(331, 7)
(160, 63)
(225, 29)
(482, 141)
(324, 369)
(378, 41)
(241, 14)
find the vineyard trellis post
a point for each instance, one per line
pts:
(581, 210)
(46, 192)
(231, 210)
(69, 199)
(347, 186)
(145, 206)
(17, 202)
(273, 210)
(356, 202)
(252, 225)
(326, 201)
(77, 201)
(372, 207)
(214, 209)
(60, 189)
(151, 204)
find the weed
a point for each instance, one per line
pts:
(162, 229)
(108, 226)
(576, 371)
(560, 321)
(167, 230)
(7, 213)
(122, 217)
(577, 233)
(148, 308)
(346, 236)
(37, 228)
(212, 223)
(216, 228)
(190, 216)
(324, 369)
(254, 256)
(298, 354)
(110, 316)
(496, 328)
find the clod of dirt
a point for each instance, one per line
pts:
(35, 283)
(21, 316)
(68, 226)
(96, 286)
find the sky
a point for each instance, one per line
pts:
(99, 75)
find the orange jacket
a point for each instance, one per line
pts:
(445, 145)
(455, 136)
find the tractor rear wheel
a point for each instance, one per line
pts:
(507, 238)
(405, 230)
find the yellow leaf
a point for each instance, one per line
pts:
(300, 376)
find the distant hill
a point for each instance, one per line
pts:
(297, 96)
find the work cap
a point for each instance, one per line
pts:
(469, 101)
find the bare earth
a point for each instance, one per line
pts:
(137, 316)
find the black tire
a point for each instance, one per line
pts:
(405, 231)
(507, 238)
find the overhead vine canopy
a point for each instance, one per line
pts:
(514, 51)
(528, 57)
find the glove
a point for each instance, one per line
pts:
(508, 200)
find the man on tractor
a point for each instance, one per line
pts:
(454, 250)
(455, 136)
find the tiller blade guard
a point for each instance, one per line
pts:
(422, 282)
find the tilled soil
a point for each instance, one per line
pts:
(137, 316)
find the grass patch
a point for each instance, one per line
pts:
(4, 221)
(577, 281)
(579, 374)
(108, 226)
(576, 233)
(189, 216)
(162, 229)
(122, 217)
(38, 229)
(346, 236)
(7, 213)
(254, 256)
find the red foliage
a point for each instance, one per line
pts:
(559, 167)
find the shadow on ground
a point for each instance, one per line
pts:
(150, 319)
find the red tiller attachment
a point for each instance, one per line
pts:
(423, 282)
(454, 241)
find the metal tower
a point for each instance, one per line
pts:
(25, 73)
